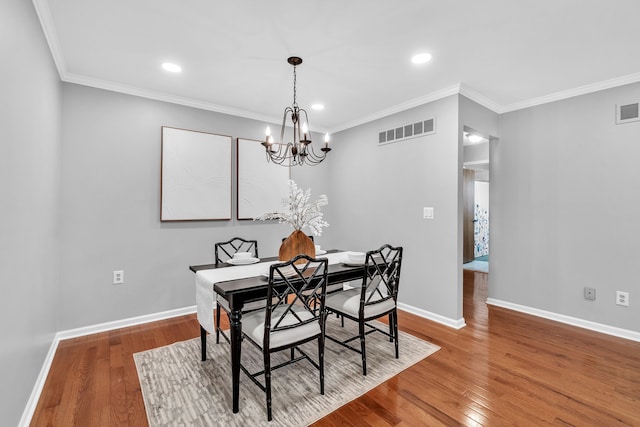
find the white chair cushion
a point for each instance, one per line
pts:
(253, 326)
(348, 302)
(334, 288)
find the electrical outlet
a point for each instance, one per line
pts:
(622, 298)
(118, 277)
(590, 293)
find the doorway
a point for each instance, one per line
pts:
(475, 202)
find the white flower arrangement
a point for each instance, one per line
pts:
(300, 213)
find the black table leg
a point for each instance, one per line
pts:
(236, 348)
(203, 342)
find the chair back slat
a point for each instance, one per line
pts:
(381, 276)
(224, 251)
(296, 294)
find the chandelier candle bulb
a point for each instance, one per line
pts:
(326, 141)
(268, 140)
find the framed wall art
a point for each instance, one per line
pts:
(195, 176)
(261, 185)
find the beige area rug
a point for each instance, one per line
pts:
(180, 390)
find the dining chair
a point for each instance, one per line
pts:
(224, 251)
(377, 297)
(294, 314)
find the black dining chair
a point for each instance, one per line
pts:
(294, 314)
(224, 251)
(377, 297)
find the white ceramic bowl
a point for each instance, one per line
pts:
(356, 257)
(242, 255)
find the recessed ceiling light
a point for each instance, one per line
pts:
(473, 138)
(317, 107)
(168, 66)
(421, 58)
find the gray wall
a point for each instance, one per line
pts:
(380, 191)
(29, 196)
(565, 207)
(110, 207)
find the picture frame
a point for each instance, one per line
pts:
(195, 182)
(262, 185)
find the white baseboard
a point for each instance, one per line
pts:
(88, 330)
(108, 326)
(456, 324)
(132, 321)
(574, 321)
(27, 414)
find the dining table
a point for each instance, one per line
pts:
(239, 284)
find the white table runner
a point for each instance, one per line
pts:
(205, 279)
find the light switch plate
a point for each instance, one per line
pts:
(427, 213)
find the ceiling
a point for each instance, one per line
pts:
(503, 54)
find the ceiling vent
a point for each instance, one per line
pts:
(627, 113)
(413, 130)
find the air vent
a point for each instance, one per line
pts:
(627, 113)
(413, 130)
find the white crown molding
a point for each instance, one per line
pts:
(159, 96)
(574, 321)
(475, 162)
(50, 34)
(565, 94)
(416, 102)
(478, 98)
(44, 15)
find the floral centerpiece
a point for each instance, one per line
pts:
(300, 213)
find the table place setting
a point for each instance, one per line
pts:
(319, 250)
(242, 258)
(354, 259)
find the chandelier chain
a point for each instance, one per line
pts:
(295, 103)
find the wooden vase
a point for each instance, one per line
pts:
(297, 243)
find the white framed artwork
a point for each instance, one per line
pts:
(262, 185)
(195, 176)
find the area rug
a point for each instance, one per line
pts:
(180, 390)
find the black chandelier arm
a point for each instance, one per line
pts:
(312, 157)
(278, 153)
(286, 113)
(284, 155)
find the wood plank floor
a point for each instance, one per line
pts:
(503, 368)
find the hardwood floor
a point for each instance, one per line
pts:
(503, 368)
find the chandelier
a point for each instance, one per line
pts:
(298, 151)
